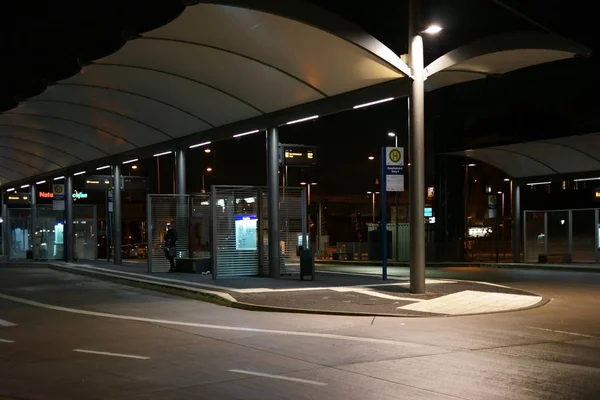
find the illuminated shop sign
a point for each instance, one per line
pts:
(76, 195)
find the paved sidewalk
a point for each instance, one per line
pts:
(330, 293)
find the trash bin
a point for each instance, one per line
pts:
(307, 264)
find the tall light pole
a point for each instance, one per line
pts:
(209, 169)
(466, 199)
(373, 203)
(392, 134)
(308, 187)
(417, 148)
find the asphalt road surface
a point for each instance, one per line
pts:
(68, 337)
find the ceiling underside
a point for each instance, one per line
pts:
(566, 155)
(214, 66)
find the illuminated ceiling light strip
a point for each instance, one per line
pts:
(79, 173)
(586, 179)
(163, 153)
(373, 103)
(538, 183)
(199, 145)
(246, 133)
(302, 120)
(10, 190)
(58, 178)
(130, 161)
(103, 167)
(40, 182)
(24, 186)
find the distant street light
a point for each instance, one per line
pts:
(371, 158)
(134, 167)
(207, 150)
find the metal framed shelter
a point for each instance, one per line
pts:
(539, 162)
(227, 68)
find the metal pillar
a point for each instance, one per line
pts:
(117, 236)
(273, 200)
(69, 237)
(570, 230)
(32, 198)
(516, 218)
(417, 154)
(180, 172)
(545, 233)
(596, 236)
(384, 249)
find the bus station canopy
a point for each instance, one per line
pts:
(579, 154)
(226, 68)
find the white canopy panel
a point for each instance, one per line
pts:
(221, 63)
(566, 155)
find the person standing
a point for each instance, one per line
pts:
(171, 246)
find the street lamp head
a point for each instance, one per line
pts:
(303, 183)
(506, 179)
(207, 150)
(313, 183)
(391, 134)
(433, 29)
(499, 192)
(471, 165)
(371, 158)
(369, 192)
(209, 169)
(134, 167)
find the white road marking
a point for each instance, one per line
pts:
(104, 353)
(473, 302)
(563, 332)
(280, 377)
(6, 323)
(6, 341)
(209, 326)
(370, 292)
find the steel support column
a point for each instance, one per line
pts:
(117, 235)
(32, 198)
(416, 154)
(69, 236)
(273, 200)
(180, 174)
(516, 218)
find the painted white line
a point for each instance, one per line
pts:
(369, 292)
(209, 326)
(563, 332)
(280, 377)
(6, 323)
(6, 341)
(104, 353)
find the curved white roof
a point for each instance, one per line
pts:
(220, 69)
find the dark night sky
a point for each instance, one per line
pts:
(552, 100)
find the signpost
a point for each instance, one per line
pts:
(392, 173)
(58, 197)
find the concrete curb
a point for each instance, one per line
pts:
(222, 300)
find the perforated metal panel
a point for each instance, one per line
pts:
(235, 231)
(293, 225)
(164, 209)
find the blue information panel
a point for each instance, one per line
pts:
(245, 232)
